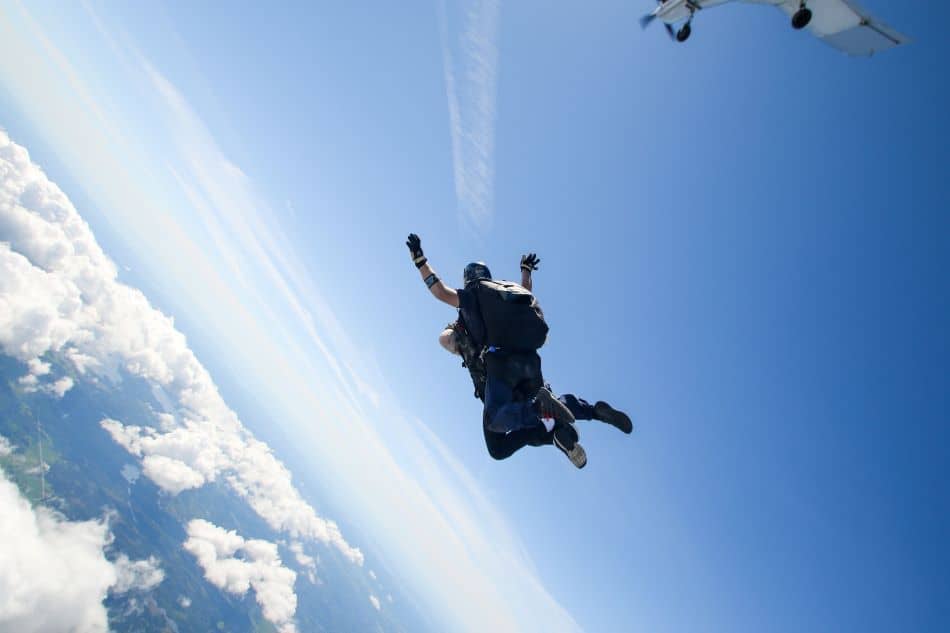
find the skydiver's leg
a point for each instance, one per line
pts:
(581, 409)
(504, 445)
(510, 416)
(600, 410)
(509, 424)
(614, 417)
(543, 437)
(503, 412)
(498, 394)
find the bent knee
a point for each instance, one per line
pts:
(498, 452)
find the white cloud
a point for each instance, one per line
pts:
(372, 574)
(306, 561)
(61, 386)
(137, 575)
(53, 574)
(59, 294)
(166, 421)
(470, 83)
(82, 362)
(301, 556)
(130, 473)
(375, 601)
(6, 448)
(38, 367)
(184, 601)
(235, 564)
(31, 381)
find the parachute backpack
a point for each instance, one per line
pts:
(512, 316)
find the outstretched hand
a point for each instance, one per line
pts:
(414, 244)
(530, 262)
(415, 250)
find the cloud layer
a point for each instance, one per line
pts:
(235, 564)
(59, 294)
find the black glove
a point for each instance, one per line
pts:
(415, 250)
(530, 262)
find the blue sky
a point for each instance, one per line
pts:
(742, 241)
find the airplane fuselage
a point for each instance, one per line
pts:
(675, 11)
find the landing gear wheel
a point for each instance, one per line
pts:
(683, 34)
(801, 18)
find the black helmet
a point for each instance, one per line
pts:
(475, 271)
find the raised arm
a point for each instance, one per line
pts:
(438, 289)
(529, 263)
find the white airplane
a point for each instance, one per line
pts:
(840, 23)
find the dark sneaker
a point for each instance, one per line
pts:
(550, 407)
(565, 438)
(606, 413)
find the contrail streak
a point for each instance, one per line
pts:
(471, 89)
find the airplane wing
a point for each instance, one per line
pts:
(844, 25)
(675, 11)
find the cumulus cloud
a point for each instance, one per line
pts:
(235, 564)
(374, 601)
(130, 473)
(59, 294)
(306, 561)
(61, 386)
(372, 574)
(53, 573)
(82, 362)
(184, 602)
(301, 556)
(6, 448)
(31, 382)
(137, 575)
(38, 367)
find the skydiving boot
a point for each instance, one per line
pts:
(550, 407)
(606, 413)
(565, 438)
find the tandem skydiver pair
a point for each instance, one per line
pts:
(500, 327)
